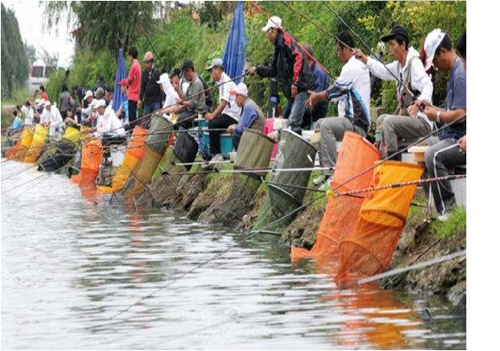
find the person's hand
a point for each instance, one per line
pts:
(209, 116)
(231, 128)
(294, 91)
(413, 109)
(462, 144)
(139, 103)
(359, 55)
(431, 112)
(313, 99)
(252, 70)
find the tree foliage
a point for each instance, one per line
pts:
(200, 33)
(14, 62)
(103, 25)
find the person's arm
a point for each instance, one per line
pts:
(210, 116)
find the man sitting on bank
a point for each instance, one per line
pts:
(108, 128)
(251, 115)
(226, 114)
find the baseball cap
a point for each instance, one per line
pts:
(431, 43)
(46, 103)
(272, 22)
(100, 103)
(187, 64)
(88, 94)
(241, 89)
(163, 78)
(148, 57)
(216, 62)
(396, 30)
(123, 81)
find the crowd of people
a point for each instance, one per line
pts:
(184, 96)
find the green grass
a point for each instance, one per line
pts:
(456, 222)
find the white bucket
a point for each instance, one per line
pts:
(117, 155)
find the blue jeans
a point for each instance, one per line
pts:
(148, 109)
(297, 111)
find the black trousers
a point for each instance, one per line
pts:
(221, 121)
(132, 113)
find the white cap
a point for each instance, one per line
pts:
(241, 89)
(273, 22)
(46, 103)
(216, 62)
(431, 43)
(88, 94)
(100, 103)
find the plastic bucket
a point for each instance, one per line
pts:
(226, 144)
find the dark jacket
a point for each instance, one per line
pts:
(289, 66)
(150, 90)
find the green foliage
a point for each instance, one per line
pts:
(456, 223)
(14, 62)
(104, 25)
(202, 38)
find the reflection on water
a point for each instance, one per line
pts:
(80, 273)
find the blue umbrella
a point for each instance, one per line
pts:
(121, 73)
(234, 54)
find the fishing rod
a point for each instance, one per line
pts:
(254, 170)
(398, 271)
(370, 50)
(291, 36)
(397, 153)
(143, 32)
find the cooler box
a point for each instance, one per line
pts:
(226, 144)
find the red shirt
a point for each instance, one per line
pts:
(45, 96)
(134, 79)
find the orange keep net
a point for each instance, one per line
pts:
(37, 144)
(134, 154)
(356, 155)
(20, 148)
(91, 162)
(368, 251)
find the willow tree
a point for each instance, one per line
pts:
(102, 25)
(14, 62)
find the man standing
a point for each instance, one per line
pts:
(151, 95)
(133, 85)
(43, 94)
(226, 114)
(289, 67)
(352, 90)
(321, 83)
(447, 153)
(408, 70)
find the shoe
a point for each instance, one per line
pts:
(205, 166)
(326, 184)
(216, 161)
(444, 217)
(319, 180)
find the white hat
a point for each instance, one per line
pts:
(100, 103)
(431, 43)
(163, 78)
(273, 22)
(216, 62)
(88, 94)
(46, 103)
(241, 89)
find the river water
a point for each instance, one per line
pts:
(78, 273)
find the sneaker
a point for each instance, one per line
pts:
(319, 180)
(205, 165)
(444, 217)
(216, 161)
(326, 184)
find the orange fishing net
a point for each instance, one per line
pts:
(382, 218)
(91, 162)
(20, 148)
(356, 155)
(133, 155)
(37, 144)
